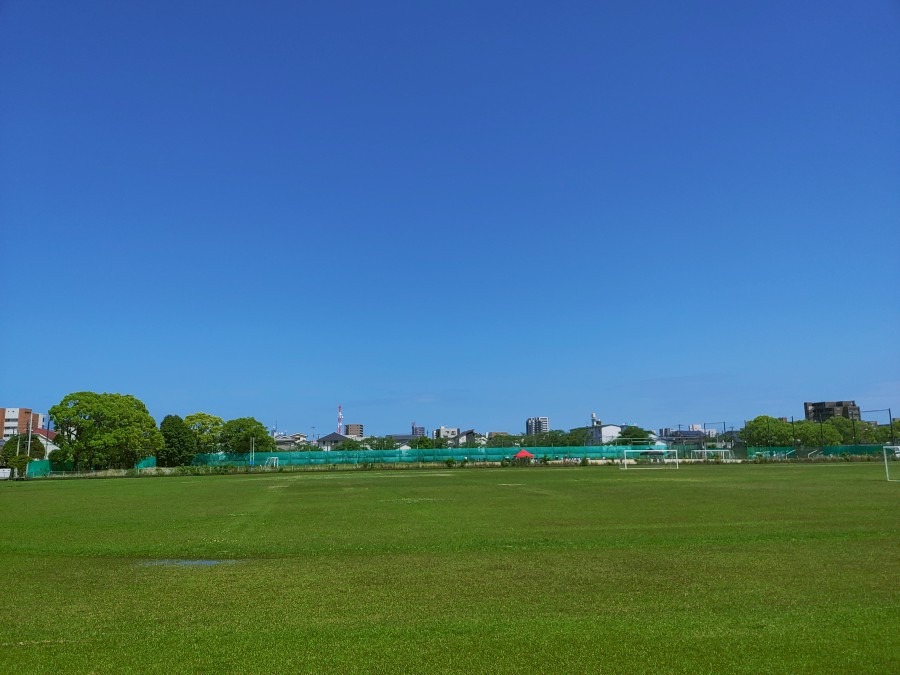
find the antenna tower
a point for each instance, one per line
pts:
(340, 421)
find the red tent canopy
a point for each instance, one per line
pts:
(523, 454)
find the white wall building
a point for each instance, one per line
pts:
(446, 432)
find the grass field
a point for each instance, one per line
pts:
(709, 569)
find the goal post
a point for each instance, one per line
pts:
(271, 463)
(891, 455)
(649, 458)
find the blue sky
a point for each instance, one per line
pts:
(458, 213)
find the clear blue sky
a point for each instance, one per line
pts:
(458, 213)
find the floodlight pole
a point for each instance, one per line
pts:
(793, 435)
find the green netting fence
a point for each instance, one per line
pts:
(411, 456)
(788, 452)
(38, 468)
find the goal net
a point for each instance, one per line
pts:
(892, 463)
(649, 458)
(271, 462)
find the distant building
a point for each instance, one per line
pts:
(445, 432)
(331, 441)
(469, 436)
(17, 421)
(537, 425)
(48, 438)
(823, 410)
(417, 431)
(609, 432)
(354, 430)
(289, 441)
(494, 434)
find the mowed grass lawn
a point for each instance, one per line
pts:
(706, 569)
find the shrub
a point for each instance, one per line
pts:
(20, 464)
(450, 462)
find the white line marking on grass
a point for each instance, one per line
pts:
(512, 484)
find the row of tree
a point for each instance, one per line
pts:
(100, 431)
(765, 431)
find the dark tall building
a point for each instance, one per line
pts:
(823, 410)
(417, 432)
(537, 425)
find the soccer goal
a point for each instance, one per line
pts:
(891, 455)
(649, 458)
(271, 462)
(721, 454)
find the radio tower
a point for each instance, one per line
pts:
(340, 421)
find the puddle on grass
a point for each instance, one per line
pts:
(187, 563)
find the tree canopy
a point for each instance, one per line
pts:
(207, 429)
(380, 443)
(633, 433)
(766, 431)
(18, 444)
(180, 442)
(811, 434)
(100, 431)
(238, 435)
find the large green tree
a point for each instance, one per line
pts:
(207, 428)
(240, 434)
(181, 442)
(812, 434)
(100, 431)
(766, 431)
(853, 432)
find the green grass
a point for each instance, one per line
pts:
(709, 569)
